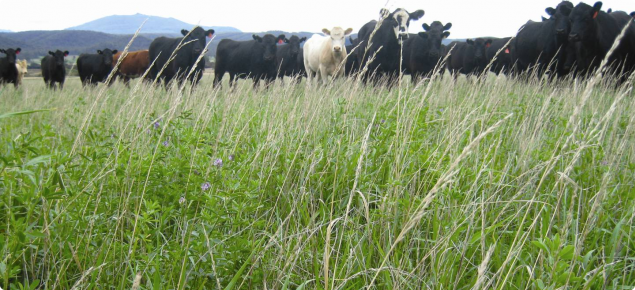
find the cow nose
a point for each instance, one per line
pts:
(337, 48)
(574, 37)
(560, 31)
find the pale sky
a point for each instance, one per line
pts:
(469, 18)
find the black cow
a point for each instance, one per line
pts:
(423, 51)
(595, 31)
(468, 57)
(352, 62)
(287, 57)
(242, 59)
(53, 69)
(543, 45)
(503, 62)
(632, 14)
(94, 68)
(8, 70)
(163, 49)
(385, 46)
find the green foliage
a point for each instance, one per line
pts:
(494, 184)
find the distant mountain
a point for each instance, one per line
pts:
(128, 24)
(4, 30)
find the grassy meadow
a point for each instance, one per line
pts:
(492, 184)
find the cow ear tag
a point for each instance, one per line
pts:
(66, 54)
(17, 52)
(595, 14)
(280, 41)
(210, 35)
(488, 45)
(507, 50)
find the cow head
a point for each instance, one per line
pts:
(294, 45)
(400, 20)
(434, 34)
(268, 42)
(11, 54)
(479, 47)
(58, 56)
(197, 38)
(561, 17)
(107, 55)
(22, 65)
(633, 14)
(582, 20)
(338, 35)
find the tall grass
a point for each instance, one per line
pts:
(484, 184)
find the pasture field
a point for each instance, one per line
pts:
(498, 184)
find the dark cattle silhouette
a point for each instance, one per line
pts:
(352, 62)
(468, 57)
(135, 64)
(53, 69)
(94, 68)
(594, 32)
(288, 63)
(423, 51)
(162, 49)
(254, 59)
(8, 69)
(503, 62)
(389, 36)
(539, 44)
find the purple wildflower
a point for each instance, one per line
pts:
(383, 121)
(218, 162)
(231, 157)
(205, 186)
(166, 143)
(182, 199)
(157, 125)
(605, 163)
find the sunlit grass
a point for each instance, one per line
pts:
(493, 184)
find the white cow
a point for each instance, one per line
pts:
(21, 65)
(325, 56)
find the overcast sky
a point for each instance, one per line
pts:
(469, 18)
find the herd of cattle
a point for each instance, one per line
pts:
(574, 40)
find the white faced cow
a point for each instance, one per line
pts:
(325, 56)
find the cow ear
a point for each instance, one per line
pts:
(302, 39)
(488, 43)
(2, 50)
(348, 31)
(446, 34)
(417, 14)
(596, 9)
(184, 32)
(99, 51)
(447, 26)
(469, 41)
(550, 11)
(609, 11)
(383, 13)
(423, 35)
(114, 51)
(210, 33)
(633, 14)
(326, 31)
(257, 38)
(51, 53)
(425, 26)
(17, 51)
(282, 37)
(543, 18)
(66, 53)
(286, 41)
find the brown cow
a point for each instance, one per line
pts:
(134, 65)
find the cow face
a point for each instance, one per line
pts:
(400, 20)
(582, 21)
(338, 35)
(561, 17)
(434, 34)
(197, 38)
(11, 54)
(268, 42)
(58, 56)
(294, 45)
(480, 46)
(22, 65)
(107, 55)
